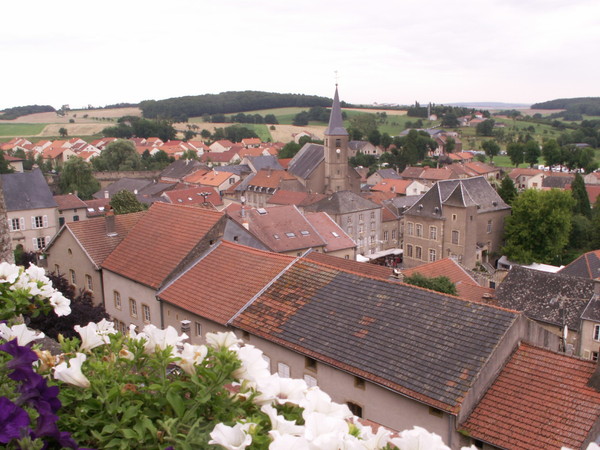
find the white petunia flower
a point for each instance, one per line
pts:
(161, 339)
(280, 423)
(419, 439)
(72, 374)
(20, 332)
(9, 272)
(318, 401)
(90, 338)
(192, 355)
(106, 328)
(231, 438)
(223, 340)
(283, 390)
(318, 424)
(254, 367)
(288, 442)
(36, 273)
(61, 304)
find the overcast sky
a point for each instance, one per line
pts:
(385, 51)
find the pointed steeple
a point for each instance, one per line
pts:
(336, 123)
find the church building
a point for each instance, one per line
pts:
(324, 169)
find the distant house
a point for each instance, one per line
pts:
(70, 208)
(257, 188)
(220, 181)
(195, 196)
(381, 174)
(400, 187)
(364, 147)
(179, 169)
(31, 210)
(527, 178)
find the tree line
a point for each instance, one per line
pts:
(18, 111)
(579, 106)
(225, 103)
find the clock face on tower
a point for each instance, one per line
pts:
(337, 150)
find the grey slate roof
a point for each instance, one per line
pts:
(592, 310)
(306, 160)
(124, 184)
(357, 145)
(264, 162)
(586, 266)
(389, 174)
(556, 182)
(27, 190)
(336, 122)
(240, 170)
(474, 191)
(343, 202)
(405, 202)
(540, 294)
(417, 342)
(181, 168)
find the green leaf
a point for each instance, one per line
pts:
(129, 434)
(176, 403)
(109, 429)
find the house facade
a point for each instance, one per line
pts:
(463, 219)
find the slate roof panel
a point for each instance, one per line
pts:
(539, 400)
(26, 190)
(306, 160)
(342, 202)
(420, 343)
(159, 241)
(539, 295)
(124, 184)
(586, 266)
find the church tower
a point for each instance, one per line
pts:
(336, 150)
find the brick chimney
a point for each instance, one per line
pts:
(109, 220)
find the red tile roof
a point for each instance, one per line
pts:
(192, 196)
(539, 400)
(239, 272)
(69, 201)
(160, 241)
(335, 238)
(212, 178)
(466, 286)
(349, 265)
(395, 186)
(283, 197)
(93, 237)
(270, 178)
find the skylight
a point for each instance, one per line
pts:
(290, 235)
(335, 234)
(261, 211)
(304, 233)
(276, 236)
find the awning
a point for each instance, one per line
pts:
(381, 254)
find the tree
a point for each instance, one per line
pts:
(188, 135)
(386, 140)
(491, 149)
(364, 123)
(83, 311)
(63, 132)
(124, 202)
(580, 195)
(289, 150)
(552, 153)
(450, 120)
(439, 284)
(485, 128)
(532, 152)
(5, 167)
(516, 153)
(77, 176)
(375, 137)
(271, 119)
(450, 145)
(300, 119)
(507, 190)
(118, 155)
(538, 229)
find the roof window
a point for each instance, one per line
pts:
(304, 233)
(290, 234)
(335, 234)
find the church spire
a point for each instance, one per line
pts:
(336, 123)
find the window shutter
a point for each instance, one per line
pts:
(45, 221)
(34, 241)
(32, 221)
(47, 241)
(22, 222)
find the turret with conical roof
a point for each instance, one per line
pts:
(336, 150)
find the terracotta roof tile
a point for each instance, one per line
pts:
(539, 400)
(333, 235)
(160, 241)
(349, 265)
(69, 201)
(392, 185)
(224, 280)
(92, 234)
(192, 196)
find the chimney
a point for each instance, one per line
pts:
(243, 212)
(106, 195)
(109, 220)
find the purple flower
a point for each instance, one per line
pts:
(21, 361)
(12, 420)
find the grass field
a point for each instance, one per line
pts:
(21, 129)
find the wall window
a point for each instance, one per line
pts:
(372, 214)
(350, 230)
(89, 283)
(310, 363)
(117, 299)
(409, 250)
(419, 229)
(359, 383)
(355, 409)
(372, 226)
(386, 236)
(39, 243)
(132, 308)
(597, 332)
(455, 237)
(431, 255)
(454, 217)
(75, 218)
(146, 313)
(393, 234)
(57, 268)
(361, 229)
(18, 223)
(283, 370)
(489, 226)
(39, 221)
(418, 252)
(310, 380)
(349, 219)
(410, 228)
(360, 217)
(72, 276)
(433, 233)
(594, 356)
(198, 328)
